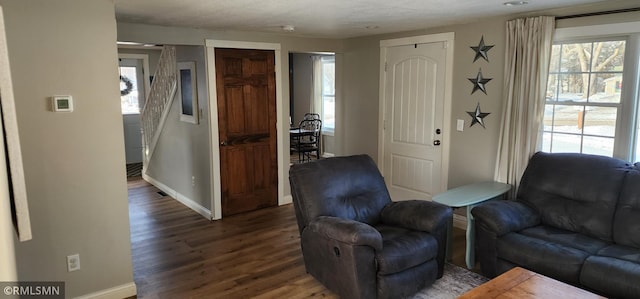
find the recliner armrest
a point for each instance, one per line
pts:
(503, 216)
(347, 231)
(419, 215)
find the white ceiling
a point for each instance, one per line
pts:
(321, 18)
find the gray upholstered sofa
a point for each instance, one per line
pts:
(575, 218)
(355, 240)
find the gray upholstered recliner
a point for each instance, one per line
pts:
(355, 240)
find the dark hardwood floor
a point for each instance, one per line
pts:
(179, 254)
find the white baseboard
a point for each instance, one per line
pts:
(287, 199)
(117, 292)
(188, 202)
(460, 221)
(328, 155)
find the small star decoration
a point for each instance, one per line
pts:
(479, 82)
(477, 117)
(481, 50)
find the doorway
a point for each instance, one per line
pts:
(280, 125)
(246, 99)
(313, 92)
(134, 89)
(415, 114)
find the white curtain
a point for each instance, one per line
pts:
(527, 57)
(316, 85)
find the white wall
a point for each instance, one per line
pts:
(183, 148)
(73, 162)
(302, 82)
(360, 93)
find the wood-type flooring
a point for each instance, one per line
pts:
(177, 253)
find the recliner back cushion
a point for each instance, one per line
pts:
(575, 192)
(346, 187)
(626, 224)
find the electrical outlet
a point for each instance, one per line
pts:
(193, 181)
(73, 262)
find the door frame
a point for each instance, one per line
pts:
(448, 39)
(146, 72)
(216, 200)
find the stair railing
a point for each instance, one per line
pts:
(158, 104)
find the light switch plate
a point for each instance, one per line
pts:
(460, 125)
(62, 103)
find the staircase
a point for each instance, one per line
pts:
(158, 104)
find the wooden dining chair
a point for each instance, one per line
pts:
(309, 115)
(309, 139)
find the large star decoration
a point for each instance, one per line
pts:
(479, 82)
(477, 117)
(481, 50)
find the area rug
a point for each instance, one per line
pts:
(455, 282)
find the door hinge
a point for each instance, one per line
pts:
(385, 66)
(445, 44)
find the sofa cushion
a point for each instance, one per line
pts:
(626, 227)
(574, 192)
(566, 238)
(551, 259)
(403, 249)
(395, 285)
(621, 252)
(614, 277)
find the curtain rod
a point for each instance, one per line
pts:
(608, 12)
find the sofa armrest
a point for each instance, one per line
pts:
(346, 231)
(419, 215)
(503, 216)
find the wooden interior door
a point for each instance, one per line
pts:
(245, 84)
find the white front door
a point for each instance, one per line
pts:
(132, 90)
(414, 118)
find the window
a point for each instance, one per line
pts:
(583, 97)
(588, 109)
(328, 94)
(129, 90)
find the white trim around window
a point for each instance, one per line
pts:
(627, 128)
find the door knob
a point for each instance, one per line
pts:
(436, 142)
(223, 143)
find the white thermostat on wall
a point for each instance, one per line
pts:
(62, 104)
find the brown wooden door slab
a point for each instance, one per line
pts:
(245, 81)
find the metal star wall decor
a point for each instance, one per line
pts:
(479, 82)
(477, 116)
(481, 50)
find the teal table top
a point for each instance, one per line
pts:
(471, 194)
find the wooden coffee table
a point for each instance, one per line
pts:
(519, 283)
